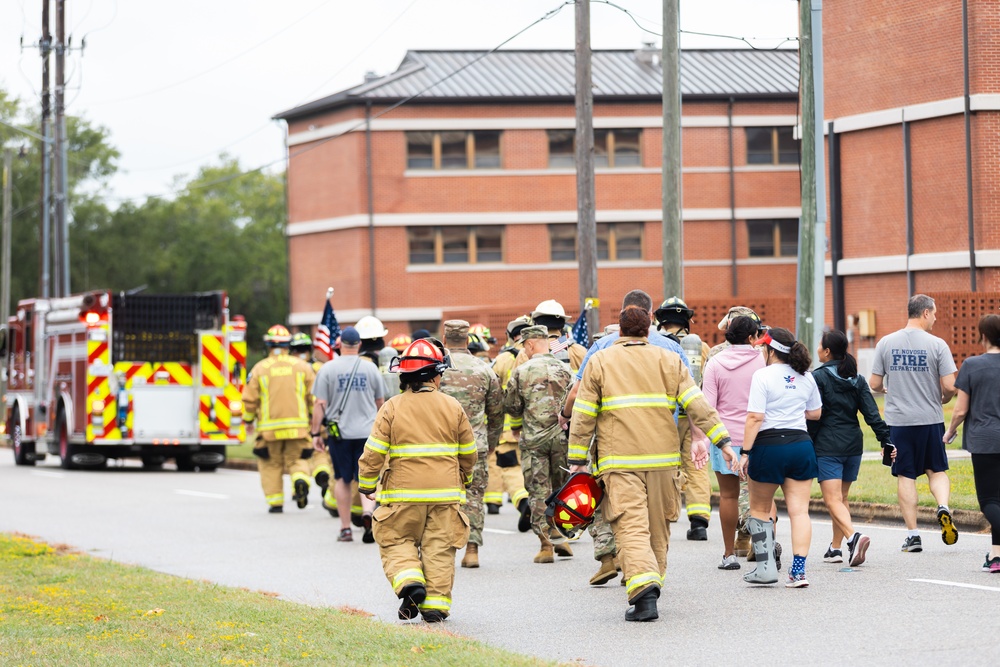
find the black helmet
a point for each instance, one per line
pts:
(673, 311)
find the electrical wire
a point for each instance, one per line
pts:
(286, 158)
(239, 55)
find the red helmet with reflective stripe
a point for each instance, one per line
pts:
(419, 355)
(400, 342)
(571, 509)
(277, 336)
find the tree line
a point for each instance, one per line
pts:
(218, 233)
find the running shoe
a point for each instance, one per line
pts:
(797, 581)
(948, 531)
(856, 549)
(995, 565)
(777, 556)
(345, 535)
(986, 564)
(833, 555)
(912, 544)
(729, 563)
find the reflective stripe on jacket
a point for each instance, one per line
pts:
(278, 396)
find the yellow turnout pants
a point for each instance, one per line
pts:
(697, 483)
(507, 478)
(283, 455)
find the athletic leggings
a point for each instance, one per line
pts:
(986, 471)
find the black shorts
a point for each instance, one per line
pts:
(918, 449)
(345, 455)
(773, 464)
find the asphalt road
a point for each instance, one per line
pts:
(936, 607)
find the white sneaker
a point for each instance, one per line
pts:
(729, 563)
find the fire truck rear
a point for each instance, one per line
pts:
(101, 376)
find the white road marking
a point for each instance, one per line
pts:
(499, 531)
(48, 473)
(957, 584)
(201, 494)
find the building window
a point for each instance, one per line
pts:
(612, 148)
(772, 145)
(453, 150)
(455, 245)
(773, 238)
(615, 241)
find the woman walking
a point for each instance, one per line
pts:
(777, 452)
(727, 387)
(978, 386)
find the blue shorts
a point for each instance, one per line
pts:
(773, 464)
(918, 449)
(719, 461)
(345, 455)
(844, 468)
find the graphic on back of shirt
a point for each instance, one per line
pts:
(790, 382)
(909, 360)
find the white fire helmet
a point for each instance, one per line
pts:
(551, 308)
(370, 328)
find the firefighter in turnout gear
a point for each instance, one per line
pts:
(471, 382)
(504, 463)
(533, 398)
(627, 399)
(278, 398)
(551, 315)
(428, 442)
(673, 320)
(320, 465)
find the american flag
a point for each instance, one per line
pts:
(580, 333)
(328, 330)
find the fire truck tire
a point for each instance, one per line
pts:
(24, 452)
(184, 463)
(66, 448)
(152, 462)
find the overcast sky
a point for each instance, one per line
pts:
(179, 82)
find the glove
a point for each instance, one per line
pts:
(307, 453)
(261, 452)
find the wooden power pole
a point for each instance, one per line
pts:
(673, 236)
(45, 220)
(61, 194)
(585, 198)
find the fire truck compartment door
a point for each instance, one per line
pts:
(163, 411)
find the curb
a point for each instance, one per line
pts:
(240, 464)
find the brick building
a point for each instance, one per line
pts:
(896, 101)
(471, 208)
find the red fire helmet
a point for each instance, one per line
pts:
(571, 509)
(419, 355)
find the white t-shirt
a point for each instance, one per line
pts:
(783, 396)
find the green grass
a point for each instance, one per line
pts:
(62, 608)
(243, 452)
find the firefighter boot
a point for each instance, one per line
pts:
(545, 554)
(698, 532)
(323, 482)
(762, 541)
(412, 596)
(606, 573)
(471, 557)
(492, 508)
(524, 523)
(644, 608)
(301, 494)
(275, 509)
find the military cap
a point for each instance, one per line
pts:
(537, 331)
(456, 330)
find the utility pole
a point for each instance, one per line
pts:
(61, 287)
(45, 251)
(6, 182)
(673, 233)
(585, 198)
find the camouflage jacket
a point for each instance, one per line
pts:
(474, 384)
(534, 397)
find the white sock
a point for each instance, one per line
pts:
(944, 507)
(913, 533)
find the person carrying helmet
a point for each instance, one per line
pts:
(533, 399)
(624, 412)
(427, 439)
(475, 386)
(551, 315)
(321, 467)
(277, 399)
(673, 320)
(504, 463)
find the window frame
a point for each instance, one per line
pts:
(776, 238)
(609, 146)
(609, 228)
(471, 248)
(470, 150)
(775, 140)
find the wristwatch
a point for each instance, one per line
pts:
(316, 435)
(745, 451)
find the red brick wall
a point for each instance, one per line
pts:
(874, 207)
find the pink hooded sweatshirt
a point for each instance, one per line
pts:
(726, 386)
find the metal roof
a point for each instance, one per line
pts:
(517, 75)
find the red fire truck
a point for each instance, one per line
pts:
(103, 375)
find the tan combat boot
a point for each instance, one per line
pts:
(471, 558)
(742, 547)
(545, 554)
(563, 550)
(606, 573)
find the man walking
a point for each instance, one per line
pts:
(348, 391)
(916, 372)
(472, 383)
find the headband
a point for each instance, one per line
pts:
(780, 347)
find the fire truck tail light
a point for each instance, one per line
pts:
(236, 407)
(91, 318)
(97, 407)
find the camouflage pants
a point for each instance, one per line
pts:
(544, 466)
(604, 537)
(474, 507)
(744, 512)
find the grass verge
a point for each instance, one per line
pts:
(242, 452)
(58, 607)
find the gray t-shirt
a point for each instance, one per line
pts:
(980, 379)
(913, 362)
(359, 410)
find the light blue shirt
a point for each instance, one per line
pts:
(656, 339)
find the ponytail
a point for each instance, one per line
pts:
(797, 356)
(836, 342)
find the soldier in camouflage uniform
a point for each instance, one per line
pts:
(533, 398)
(473, 383)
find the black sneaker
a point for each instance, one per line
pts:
(275, 509)
(912, 544)
(949, 534)
(367, 538)
(524, 523)
(301, 495)
(857, 548)
(833, 555)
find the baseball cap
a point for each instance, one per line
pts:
(349, 336)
